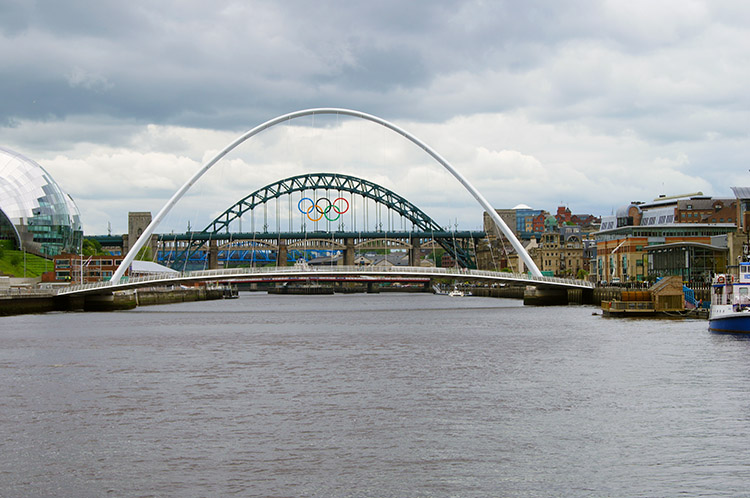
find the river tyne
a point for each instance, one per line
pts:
(390, 395)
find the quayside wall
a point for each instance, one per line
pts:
(574, 296)
(27, 304)
(21, 305)
(510, 291)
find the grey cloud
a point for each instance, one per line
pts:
(71, 18)
(226, 64)
(176, 60)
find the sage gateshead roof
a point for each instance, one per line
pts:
(35, 212)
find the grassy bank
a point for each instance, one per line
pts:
(12, 263)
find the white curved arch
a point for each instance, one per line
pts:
(146, 235)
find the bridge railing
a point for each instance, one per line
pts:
(231, 273)
(27, 292)
(161, 277)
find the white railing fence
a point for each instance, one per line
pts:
(238, 273)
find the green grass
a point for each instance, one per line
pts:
(11, 264)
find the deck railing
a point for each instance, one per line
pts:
(236, 273)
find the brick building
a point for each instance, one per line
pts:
(76, 269)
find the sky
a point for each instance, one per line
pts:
(587, 104)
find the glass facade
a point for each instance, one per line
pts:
(34, 211)
(695, 263)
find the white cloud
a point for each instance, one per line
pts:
(510, 159)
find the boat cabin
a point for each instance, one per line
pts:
(728, 290)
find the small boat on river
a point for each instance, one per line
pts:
(730, 302)
(456, 292)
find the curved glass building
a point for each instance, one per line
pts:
(35, 213)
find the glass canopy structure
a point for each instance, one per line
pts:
(35, 213)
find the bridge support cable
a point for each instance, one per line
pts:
(156, 221)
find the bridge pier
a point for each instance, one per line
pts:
(413, 252)
(545, 296)
(213, 255)
(587, 297)
(349, 252)
(110, 302)
(282, 254)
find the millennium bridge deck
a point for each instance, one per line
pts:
(333, 273)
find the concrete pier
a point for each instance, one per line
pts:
(545, 296)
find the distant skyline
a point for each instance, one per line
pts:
(587, 104)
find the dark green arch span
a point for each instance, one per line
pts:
(339, 182)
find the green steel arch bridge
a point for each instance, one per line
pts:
(224, 235)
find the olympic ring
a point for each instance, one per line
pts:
(323, 211)
(327, 209)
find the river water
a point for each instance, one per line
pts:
(388, 395)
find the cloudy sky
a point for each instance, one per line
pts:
(590, 104)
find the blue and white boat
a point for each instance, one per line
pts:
(730, 302)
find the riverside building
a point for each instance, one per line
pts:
(683, 235)
(35, 213)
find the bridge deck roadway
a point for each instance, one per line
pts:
(373, 273)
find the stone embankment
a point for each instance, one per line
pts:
(19, 302)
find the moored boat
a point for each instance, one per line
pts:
(730, 302)
(456, 292)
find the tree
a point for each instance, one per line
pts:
(144, 254)
(91, 247)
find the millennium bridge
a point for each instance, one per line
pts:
(547, 287)
(329, 210)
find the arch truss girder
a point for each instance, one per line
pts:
(429, 244)
(340, 183)
(324, 181)
(384, 243)
(249, 245)
(317, 244)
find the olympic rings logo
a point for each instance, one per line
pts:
(315, 208)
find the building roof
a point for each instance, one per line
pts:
(149, 267)
(741, 192)
(24, 185)
(685, 244)
(682, 226)
(699, 203)
(32, 201)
